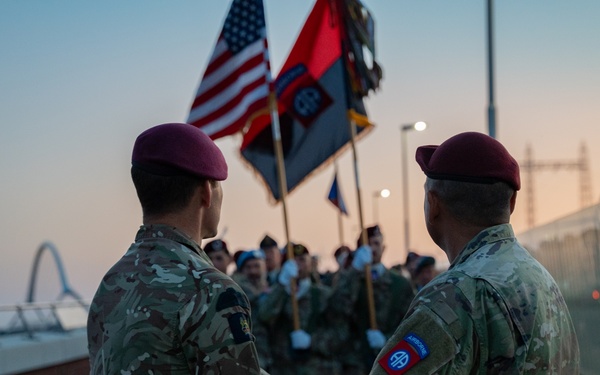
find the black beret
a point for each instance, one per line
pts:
(371, 232)
(297, 249)
(216, 245)
(267, 242)
(175, 149)
(423, 262)
(469, 157)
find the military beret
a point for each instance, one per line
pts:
(423, 262)
(297, 249)
(216, 245)
(371, 232)
(469, 157)
(176, 149)
(411, 256)
(247, 255)
(341, 250)
(267, 241)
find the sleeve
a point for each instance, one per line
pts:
(272, 305)
(330, 334)
(436, 337)
(401, 297)
(346, 292)
(215, 329)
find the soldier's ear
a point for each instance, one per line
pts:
(205, 193)
(432, 206)
(513, 202)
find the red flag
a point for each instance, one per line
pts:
(316, 98)
(234, 85)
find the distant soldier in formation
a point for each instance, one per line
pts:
(312, 348)
(219, 254)
(273, 258)
(343, 258)
(392, 295)
(163, 308)
(424, 272)
(496, 310)
(252, 277)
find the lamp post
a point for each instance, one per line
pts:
(418, 126)
(384, 193)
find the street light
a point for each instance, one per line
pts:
(418, 126)
(384, 193)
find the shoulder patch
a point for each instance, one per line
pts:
(240, 328)
(404, 355)
(421, 345)
(231, 298)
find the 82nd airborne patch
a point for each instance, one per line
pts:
(404, 355)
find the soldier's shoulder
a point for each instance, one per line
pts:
(454, 289)
(397, 277)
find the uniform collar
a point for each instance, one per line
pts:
(483, 238)
(167, 232)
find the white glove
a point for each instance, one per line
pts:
(300, 339)
(376, 339)
(303, 288)
(289, 271)
(362, 256)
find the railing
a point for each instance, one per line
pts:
(29, 318)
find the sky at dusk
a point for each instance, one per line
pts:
(81, 79)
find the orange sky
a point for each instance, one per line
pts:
(79, 84)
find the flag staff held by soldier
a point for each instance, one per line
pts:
(163, 308)
(496, 310)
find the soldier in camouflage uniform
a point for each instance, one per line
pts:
(392, 295)
(496, 310)
(219, 254)
(311, 349)
(252, 277)
(272, 257)
(163, 308)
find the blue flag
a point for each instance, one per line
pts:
(335, 196)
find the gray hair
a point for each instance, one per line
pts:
(474, 203)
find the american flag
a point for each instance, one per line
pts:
(235, 84)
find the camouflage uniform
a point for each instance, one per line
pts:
(164, 309)
(392, 294)
(495, 311)
(315, 318)
(256, 298)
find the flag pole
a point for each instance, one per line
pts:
(281, 174)
(339, 217)
(283, 192)
(363, 231)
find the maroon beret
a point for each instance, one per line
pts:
(469, 157)
(175, 149)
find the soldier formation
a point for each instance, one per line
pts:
(169, 307)
(334, 336)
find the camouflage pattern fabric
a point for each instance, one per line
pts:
(164, 309)
(316, 319)
(392, 295)
(256, 298)
(495, 311)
